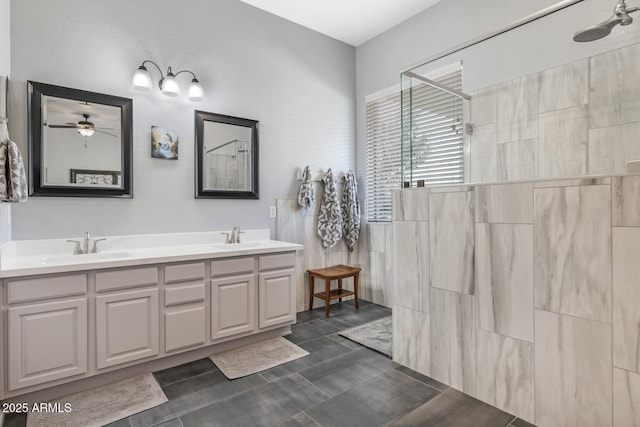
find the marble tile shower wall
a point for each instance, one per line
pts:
(542, 319)
(580, 118)
(372, 253)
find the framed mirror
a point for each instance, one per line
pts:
(226, 157)
(80, 143)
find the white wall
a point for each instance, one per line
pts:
(299, 84)
(5, 68)
(540, 45)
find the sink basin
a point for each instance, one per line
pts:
(242, 246)
(85, 258)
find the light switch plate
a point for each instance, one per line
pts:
(272, 211)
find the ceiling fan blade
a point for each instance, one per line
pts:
(109, 129)
(106, 133)
(63, 126)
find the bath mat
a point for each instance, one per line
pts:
(257, 357)
(101, 405)
(376, 335)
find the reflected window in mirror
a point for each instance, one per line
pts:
(71, 130)
(226, 157)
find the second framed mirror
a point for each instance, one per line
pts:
(226, 157)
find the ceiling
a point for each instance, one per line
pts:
(351, 21)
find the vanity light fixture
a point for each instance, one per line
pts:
(168, 84)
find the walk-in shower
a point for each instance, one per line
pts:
(595, 32)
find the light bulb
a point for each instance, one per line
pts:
(196, 93)
(170, 85)
(86, 131)
(142, 79)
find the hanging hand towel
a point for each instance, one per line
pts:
(350, 211)
(13, 181)
(306, 198)
(330, 217)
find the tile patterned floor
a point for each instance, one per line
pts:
(340, 383)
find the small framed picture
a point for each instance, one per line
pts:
(164, 143)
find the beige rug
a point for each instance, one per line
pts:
(102, 405)
(257, 357)
(377, 335)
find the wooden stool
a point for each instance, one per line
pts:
(336, 272)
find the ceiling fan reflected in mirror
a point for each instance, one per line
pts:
(85, 127)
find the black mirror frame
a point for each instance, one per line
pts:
(201, 193)
(35, 91)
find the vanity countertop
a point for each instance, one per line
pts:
(33, 257)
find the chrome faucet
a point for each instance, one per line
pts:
(84, 249)
(235, 234)
(87, 240)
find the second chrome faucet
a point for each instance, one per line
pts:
(234, 236)
(84, 249)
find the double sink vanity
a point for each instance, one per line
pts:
(142, 303)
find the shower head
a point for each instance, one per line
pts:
(603, 29)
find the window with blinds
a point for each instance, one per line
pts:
(383, 155)
(433, 148)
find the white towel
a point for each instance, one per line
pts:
(306, 198)
(350, 211)
(13, 180)
(330, 217)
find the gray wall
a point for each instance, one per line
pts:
(299, 84)
(5, 68)
(538, 46)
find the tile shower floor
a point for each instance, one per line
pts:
(340, 383)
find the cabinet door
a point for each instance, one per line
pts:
(47, 341)
(277, 298)
(126, 326)
(184, 329)
(232, 305)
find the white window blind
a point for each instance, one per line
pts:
(433, 153)
(436, 143)
(383, 155)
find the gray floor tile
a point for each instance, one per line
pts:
(268, 405)
(351, 370)
(320, 350)
(455, 409)
(300, 420)
(121, 423)
(310, 330)
(520, 423)
(15, 420)
(182, 372)
(364, 315)
(375, 403)
(194, 393)
(175, 422)
(345, 341)
(336, 309)
(425, 379)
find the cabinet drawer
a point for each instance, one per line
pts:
(183, 272)
(129, 278)
(271, 262)
(224, 267)
(181, 294)
(46, 287)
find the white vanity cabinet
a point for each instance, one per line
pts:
(277, 289)
(232, 296)
(126, 315)
(46, 329)
(184, 307)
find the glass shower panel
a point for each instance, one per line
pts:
(433, 130)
